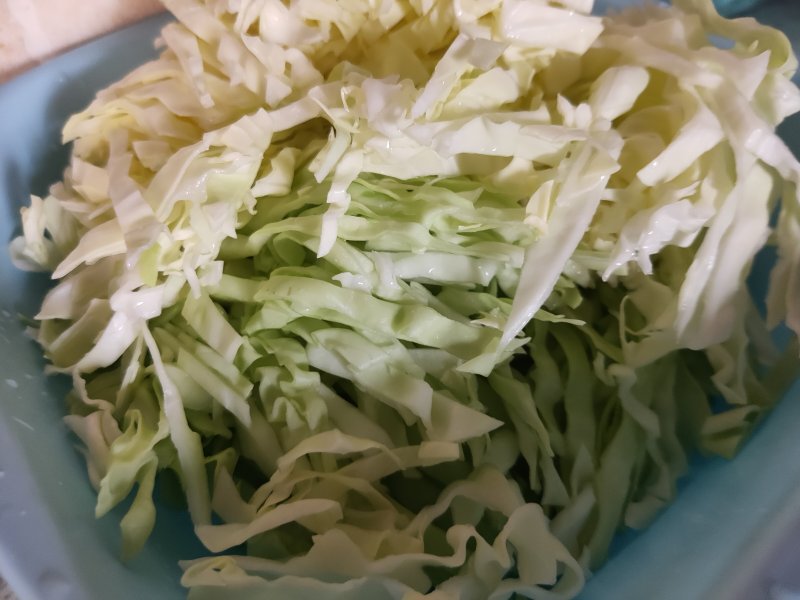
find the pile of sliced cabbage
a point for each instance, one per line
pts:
(414, 298)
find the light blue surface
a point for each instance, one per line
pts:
(729, 8)
(733, 534)
(51, 546)
(734, 7)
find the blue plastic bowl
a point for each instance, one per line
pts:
(735, 7)
(733, 533)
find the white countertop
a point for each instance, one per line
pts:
(34, 30)
(5, 593)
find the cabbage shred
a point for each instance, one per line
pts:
(419, 297)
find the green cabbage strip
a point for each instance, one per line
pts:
(419, 299)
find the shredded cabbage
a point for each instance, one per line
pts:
(420, 298)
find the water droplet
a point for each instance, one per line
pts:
(23, 513)
(2, 474)
(12, 383)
